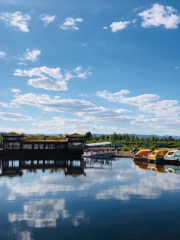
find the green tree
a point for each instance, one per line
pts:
(88, 136)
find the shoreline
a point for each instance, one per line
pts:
(125, 154)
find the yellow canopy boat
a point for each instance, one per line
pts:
(142, 154)
(157, 155)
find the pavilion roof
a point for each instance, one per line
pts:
(13, 134)
(74, 135)
(43, 141)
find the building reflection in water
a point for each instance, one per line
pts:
(163, 167)
(15, 168)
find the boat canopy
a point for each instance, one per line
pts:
(98, 144)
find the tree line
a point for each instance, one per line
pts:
(128, 139)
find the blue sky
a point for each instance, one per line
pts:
(99, 66)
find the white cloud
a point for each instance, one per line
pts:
(134, 101)
(25, 235)
(107, 115)
(14, 117)
(22, 63)
(47, 19)
(79, 107)
(15, 90)
(42, 213)
(176, 67)
(5, 105)
(70, 23)
(117, 26)
(162, 108)
(2, 54)
(105, 27)
(48, 84)
(83, 95)
(53, 72)
(17, 20)
(166, 123)
(137, 9)
(53, 104)
(32, 56)
(78, 74)
(160, 15)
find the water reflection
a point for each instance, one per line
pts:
(45, 194)
(162, 167)
(14, 168)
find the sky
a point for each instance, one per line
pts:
(100, 66)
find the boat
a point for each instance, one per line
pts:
(172, 155)
(142, 154)
(98, 150)
(20, 144)
(157, 155)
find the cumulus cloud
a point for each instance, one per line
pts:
(60, 83)
(160, 15)
(48, 84)
(31, 56)
(117, 26)
(70, 23)
(120, 98)
(47, 19)
(17, 20)
(14, 117)
(2, 54)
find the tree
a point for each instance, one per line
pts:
(170, 139)
(89, 136)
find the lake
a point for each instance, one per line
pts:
(101, 199)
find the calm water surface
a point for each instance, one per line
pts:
(66, 199)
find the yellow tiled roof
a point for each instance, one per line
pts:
(74, 135)
(41, 140)
(13, 134)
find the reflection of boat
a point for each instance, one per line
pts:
(158, 168)
(141, 165)
(172, 169)
(105, 164)
(142, 154)
(157, 155)
(173, 155)
(12, 168)
(98, 150)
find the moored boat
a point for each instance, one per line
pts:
(172, 155)
(98, 150)
(157, 155)
(142, 154)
